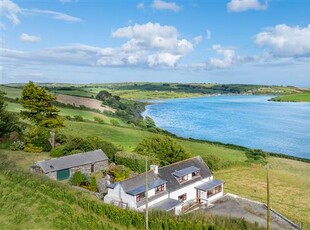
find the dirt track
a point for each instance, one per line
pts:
(87, 102)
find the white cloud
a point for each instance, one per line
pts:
(29, 38)
(166, 59)
(140, 5)
(148, 44)
(244, 5)
(10, 10)
(227, 60)
(54, 14)
(208, 36)
(162, 5)
(285, 41)
(197, 39)
(153, 36)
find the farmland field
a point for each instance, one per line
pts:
(298, 97)
(82, 101)
(87, 115)
(289, 186)
(11, 92)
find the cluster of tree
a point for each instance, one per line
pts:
(9, 122)
(134, 161)
(191, 88)
(162, 147)
(127, 110)
(71, 145)
(257, 156)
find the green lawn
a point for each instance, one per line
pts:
(297, 97)
(11, 92)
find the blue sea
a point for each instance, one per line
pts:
(245, 120)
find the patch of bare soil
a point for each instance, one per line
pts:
(87, 102)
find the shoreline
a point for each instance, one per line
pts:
(227, 145)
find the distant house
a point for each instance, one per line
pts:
(176, 187)
(63, 167)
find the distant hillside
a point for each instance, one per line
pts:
(164, 90)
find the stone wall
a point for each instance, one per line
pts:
(52, 175)
(83, 168)
(101, 165)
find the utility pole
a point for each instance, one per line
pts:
(146, 197)
(268, 199)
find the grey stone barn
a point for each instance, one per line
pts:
(63, 167)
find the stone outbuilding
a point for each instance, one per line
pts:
(63, 167)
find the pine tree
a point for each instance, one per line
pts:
(40, 110)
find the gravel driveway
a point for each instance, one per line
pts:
(234, 206)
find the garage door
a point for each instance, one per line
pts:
(63, 174)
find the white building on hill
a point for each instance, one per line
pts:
(176, 187)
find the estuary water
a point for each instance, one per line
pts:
(250, 121)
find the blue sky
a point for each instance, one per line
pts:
(224, 41)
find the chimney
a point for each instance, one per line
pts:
(154, 168)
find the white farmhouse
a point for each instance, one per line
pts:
(176, 187)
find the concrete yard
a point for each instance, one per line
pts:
(234, 206)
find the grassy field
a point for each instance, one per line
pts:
(128, 138)
(297, 97)
(289, 186)
(11, 92)
(87, 115)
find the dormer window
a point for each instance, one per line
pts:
(196, 174)
(187, 174)
(160, 188)
(182, 179)
(140, 196)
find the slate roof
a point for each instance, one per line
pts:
(71, 161)
(186, 171)
(208, 185)
(166, 205)
(136, 185)
(166, 172)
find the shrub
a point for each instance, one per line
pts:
(134, 161)
(99, 120)
(78, 144)
(119, 172)
(33, 149)
(38, 137)
(57, 152)
(68, 117)
(78, 118)
(79, 178)
(162, 147)
(17, 145)
(257, 156)
(114, 122)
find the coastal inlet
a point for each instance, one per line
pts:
(246, 120)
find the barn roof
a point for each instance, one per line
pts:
(71, 161)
